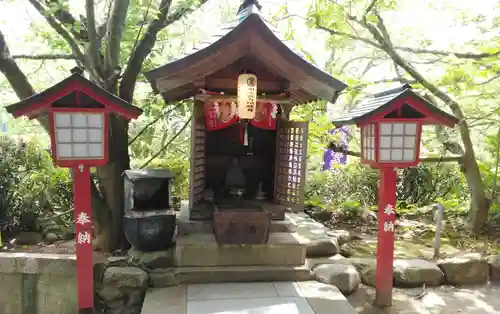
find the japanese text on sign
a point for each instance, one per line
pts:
(82, 218)
(388, 226)
(389, 210)
(83, 238)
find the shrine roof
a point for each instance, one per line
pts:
(36, 104)
(381, 102)
(138, 174)
(246, 35)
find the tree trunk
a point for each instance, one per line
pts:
(479, 206)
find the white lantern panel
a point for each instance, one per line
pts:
(96, 150)
(410, 129)
(95, 135)
(408, 155)
(247, 96)
(409, 142)
(62, 120)
(63, 136)
(396, 154)
(64, 150)
(372, 154)
(79, 120)
(398, 129)
(95, 120)
(385, 128)
(80, 136)
(385, 155)
(397, 142)
(385, 142)
(80, 150)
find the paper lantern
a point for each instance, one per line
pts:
(247, 96)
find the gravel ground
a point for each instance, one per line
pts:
(483, 299)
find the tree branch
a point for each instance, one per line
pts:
(61, 30)
(45, 57)
(339, 149)
(114, 34)
(460, 55)
(146, 44)
(93, 50)
(166, 145)
(67, 19)
(13, 72)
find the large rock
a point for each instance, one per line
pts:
(125, 277)
(414, 273)
(313, 262)
(466, 269)
(322, 247)
(152, 260)
(368, 276)
(362, 262)
(162, 278)
(345, 277)
(494, 262)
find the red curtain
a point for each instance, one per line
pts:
(220, 115)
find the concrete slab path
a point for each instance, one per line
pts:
(308, 297)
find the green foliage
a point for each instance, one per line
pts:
(179, 166)
(30, 183)
(355, 185)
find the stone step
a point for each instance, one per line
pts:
(194, 275)
(202, 250)
(187, 226)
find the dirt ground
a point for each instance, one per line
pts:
(484, 299)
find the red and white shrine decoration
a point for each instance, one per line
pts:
(391, 127)
(222, 114)
(78, 113)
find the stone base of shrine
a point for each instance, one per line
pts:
(202, 250)
(200, 259)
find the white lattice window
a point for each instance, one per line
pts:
(79, 135)
(397, 142)
(368, 133)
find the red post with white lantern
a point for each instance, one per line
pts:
(78, 112)
(391, 128)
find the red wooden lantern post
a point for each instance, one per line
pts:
(391, 127)
(78, 113)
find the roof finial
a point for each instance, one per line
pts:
(247, 3)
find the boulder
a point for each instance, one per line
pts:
(322, 247)
(345, 277)
(110, 294)
(117, 261)
(463, 270)
(494, 262)
(368, 276)
(415, 273)
(162, 278)
(125, 277)
(28, 238)
(347, 249)
(51, 238)
(152, 260)
(362, 262)
(312, 263)
(343, 236)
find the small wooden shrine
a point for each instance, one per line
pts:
(245, 167)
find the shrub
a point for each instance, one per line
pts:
(29, 183)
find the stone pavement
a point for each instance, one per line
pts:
(307, 297)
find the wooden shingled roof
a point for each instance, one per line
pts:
(383, 101)
(62, 94)
(248, 35)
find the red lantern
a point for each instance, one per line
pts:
(78, 112)
(391, 127)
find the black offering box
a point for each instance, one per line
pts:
(149, 221)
